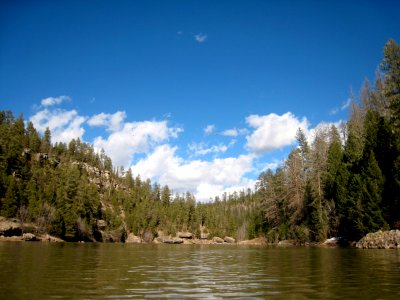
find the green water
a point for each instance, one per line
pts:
(118, 271)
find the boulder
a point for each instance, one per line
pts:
(256, 241)
(101, 224)
(133, 239)
(287, 243)
(204, 236)
(29, 237)
(49, 238)
(380, 240)
(217, 240)
(229, 240)
(184, 235)
(173, 241)
(331, 242)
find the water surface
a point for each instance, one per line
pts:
(119, 271)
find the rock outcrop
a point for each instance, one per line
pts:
(217, 240)
(287, 243)
(380, 240)
(29, 237)
(133, 239)
(331, 242)
(229, 240)
(173, 241)
(184, 235)
(256, 241)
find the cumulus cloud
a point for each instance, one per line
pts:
(209, 129)
(273, 131)
(113, 122)
(134, 137)
(234, 132)
(50, 101)
(64, 125)
(200, 38)
(204, 178)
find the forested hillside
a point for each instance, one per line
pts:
(72, 192)
(345, 183)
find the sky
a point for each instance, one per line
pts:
(199, 95)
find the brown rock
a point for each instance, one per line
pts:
(133, 239)
(29, 237)
(229, 240)
(184, 235)
(101, 224)
(173, 241)
(287, 243)
(217, 240)
(256, 241)
(204, 235)
(380, 240)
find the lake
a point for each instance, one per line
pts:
(118, 271)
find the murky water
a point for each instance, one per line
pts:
(118, 271)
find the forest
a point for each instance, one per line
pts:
(344, 183)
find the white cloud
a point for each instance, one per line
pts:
(134, 137)
(200, 37)
(202, 149)
(54, 100)
(209, 129)
(204, 178)
(322, 128)
(235, 132)
(273, 131)
(344, 106)
(113, 122)
(64, 125)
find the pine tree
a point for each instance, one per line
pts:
(391, 68)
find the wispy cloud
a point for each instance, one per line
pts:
(209, 129)
(235, 132)
(344, 106)
(201, 38)
(202, 149)
(50, 101)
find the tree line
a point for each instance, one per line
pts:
(345, 183)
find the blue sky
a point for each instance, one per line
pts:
(199, 95)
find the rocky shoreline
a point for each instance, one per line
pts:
(12, 230)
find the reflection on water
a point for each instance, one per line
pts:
(118, 271)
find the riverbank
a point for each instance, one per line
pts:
(12, 230)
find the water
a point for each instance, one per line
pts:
(118, 271)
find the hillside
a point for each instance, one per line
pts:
(74, 193)
(344, 182)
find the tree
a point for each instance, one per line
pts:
(391, 69)
(46, 141)
(33, 138)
